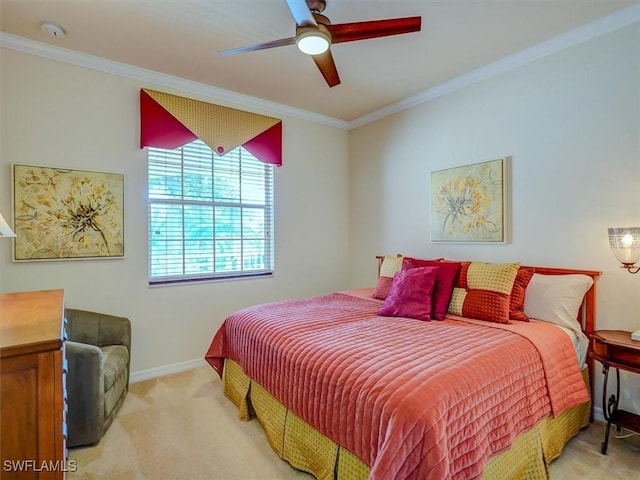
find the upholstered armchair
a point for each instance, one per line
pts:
(98, 349)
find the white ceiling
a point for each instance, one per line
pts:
(183, 38)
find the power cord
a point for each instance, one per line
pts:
(621, 436)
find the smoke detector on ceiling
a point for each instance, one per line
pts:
(52, 29)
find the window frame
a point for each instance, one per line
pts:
(234, 159)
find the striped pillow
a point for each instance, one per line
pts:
(483, 291)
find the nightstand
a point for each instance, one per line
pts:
(614, 348)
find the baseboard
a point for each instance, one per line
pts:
(598, 414)
(166, 370)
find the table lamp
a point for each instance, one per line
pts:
(5, 229)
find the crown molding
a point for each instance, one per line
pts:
(597, 28)
(73, 57)
(602, 26)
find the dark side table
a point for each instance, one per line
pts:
(614, 348)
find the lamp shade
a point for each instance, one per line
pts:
(5, 229)
(625, 244)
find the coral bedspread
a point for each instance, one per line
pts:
(412, 399)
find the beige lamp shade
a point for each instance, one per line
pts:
(5, 229)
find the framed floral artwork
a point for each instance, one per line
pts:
(67, 214)
(469, 203)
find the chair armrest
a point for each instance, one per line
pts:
(85, 383)
(98, 328)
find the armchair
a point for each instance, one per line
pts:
(98, 351)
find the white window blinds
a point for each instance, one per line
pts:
(209, 216)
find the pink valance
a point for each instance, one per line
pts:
(169, 121)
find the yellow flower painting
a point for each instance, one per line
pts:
(64, 214)
(468, 203)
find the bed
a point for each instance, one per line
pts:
(344, 392)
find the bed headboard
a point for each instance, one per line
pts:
(587, 313)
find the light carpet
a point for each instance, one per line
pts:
(181, 426)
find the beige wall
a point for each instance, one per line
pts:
(57, 114)
(571, 122)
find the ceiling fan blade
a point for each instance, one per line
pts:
(327, 67)
(260, 46)
(301, 13)
(350, 32)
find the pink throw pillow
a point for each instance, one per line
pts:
(446, 275)
(410, 294)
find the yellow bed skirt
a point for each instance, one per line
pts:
(298, 443)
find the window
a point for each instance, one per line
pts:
(210, 216)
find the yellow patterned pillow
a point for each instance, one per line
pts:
(483, 291)
(390, 266)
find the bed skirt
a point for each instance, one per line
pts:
(298, 443)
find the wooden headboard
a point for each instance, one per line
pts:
(587, 313)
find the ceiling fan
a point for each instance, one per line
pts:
(315, 34)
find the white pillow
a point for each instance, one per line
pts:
(556, 298)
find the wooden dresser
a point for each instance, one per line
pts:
(32, 385)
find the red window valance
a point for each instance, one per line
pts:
(170, 121)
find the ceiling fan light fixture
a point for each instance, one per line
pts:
(312, 41)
